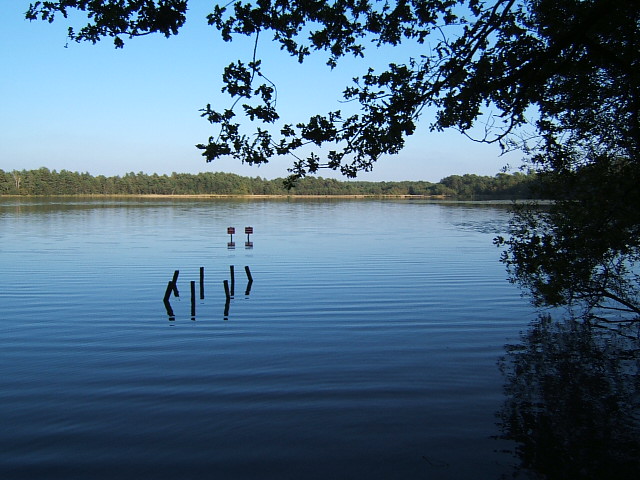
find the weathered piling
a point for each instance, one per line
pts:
(167, 305)
(167, 292)
(201, 283)
(250, 281)
(226, 289)
(193, 298)
(232, 274)
(175, 283)
(226, 309)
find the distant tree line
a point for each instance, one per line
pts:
(50, 182)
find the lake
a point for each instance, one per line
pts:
(365, 347)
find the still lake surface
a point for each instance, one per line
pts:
(366, 346)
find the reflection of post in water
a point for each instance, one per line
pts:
(572, 401)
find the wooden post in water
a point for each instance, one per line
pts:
(226, 309)
(233, 279)
(167, 292)
(167, 305)
(171, 287)
(226, 289)
(250, 282)
(193, 299)
(175, 283)
(201, 283)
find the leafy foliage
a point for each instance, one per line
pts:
(114, 18)
(569, 63)
(583, 251)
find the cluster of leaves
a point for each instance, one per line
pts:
(584, 250)
(452, 75)
(389, 103)
(115, 18)
(51, 182)
(569, 61)
(590, 112)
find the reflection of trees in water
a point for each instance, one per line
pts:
(578, 254)
(573, 401)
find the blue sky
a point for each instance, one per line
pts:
(92, 108)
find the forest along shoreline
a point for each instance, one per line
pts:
(45, 182)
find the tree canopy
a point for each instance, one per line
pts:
(565, 67)
(557, 79)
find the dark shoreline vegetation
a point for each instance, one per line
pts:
(51, 182)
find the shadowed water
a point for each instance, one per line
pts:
(366, 347)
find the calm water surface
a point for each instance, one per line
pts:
(366, 346)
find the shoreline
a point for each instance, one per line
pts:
(220, 195)
(211, 196)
